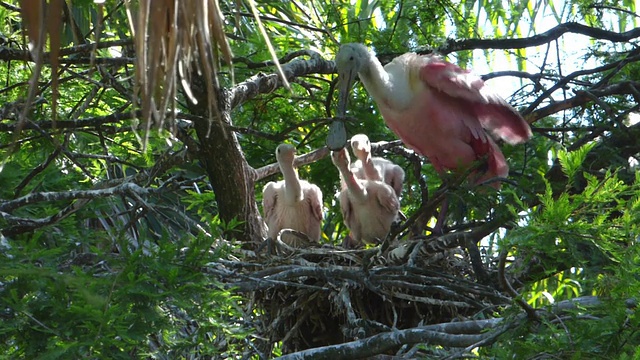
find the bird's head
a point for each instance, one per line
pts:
(285, 153)
(350, 60)
(340, 159)
(361, 146)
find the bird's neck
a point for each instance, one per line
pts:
(355, 188)
(293, 189)
(390, 86)
(370, 170)
(376, 80)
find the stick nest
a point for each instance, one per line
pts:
(318, 296)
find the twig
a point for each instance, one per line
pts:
(301, 160)
(506, 286)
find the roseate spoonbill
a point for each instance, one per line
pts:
(291, 203)
(436, 108)
(375, 168)
(368, 207)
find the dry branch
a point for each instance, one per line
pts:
(457, 334)
(264, 84)
(301, 160)
(123, 189)
(380, 343)
(540, 39)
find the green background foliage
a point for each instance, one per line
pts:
(125, 276)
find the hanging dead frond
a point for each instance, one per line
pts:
(256, 15)
(169, 36)
(42, 19)
(174, 35)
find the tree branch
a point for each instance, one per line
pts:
(73, 124)
(123, 189)
(540, 39)
(582, 98)
(301, 160)
(457, 334)
(264, 84)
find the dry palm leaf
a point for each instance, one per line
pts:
(168, 34)
(256, 15)
(38, 26)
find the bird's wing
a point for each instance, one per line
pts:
(269, 199)
(493, 112)
(346, 208)
(350, 218)
(497, 164)
(451, 79)
(313, 195)
(392, 173)
(387, 198)
(395, 175)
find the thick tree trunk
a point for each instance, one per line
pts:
(230, 175)
(232, 179)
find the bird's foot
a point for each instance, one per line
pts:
(268, 244)
(350, 243)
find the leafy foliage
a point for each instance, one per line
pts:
(65, 297)
(113, 247)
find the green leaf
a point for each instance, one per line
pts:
(572, 161)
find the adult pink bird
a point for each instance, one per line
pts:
(436, 108)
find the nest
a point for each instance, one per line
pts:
(319, 296)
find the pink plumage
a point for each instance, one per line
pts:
(292, 203)
(368, 207)
(438, 109)
(375, 168)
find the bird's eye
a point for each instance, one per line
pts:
(351, 58)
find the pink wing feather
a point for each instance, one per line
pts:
(314, 198)
(493, 112)
(269, 199)
(387, 198)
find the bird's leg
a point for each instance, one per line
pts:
(262, 245)
(476, 261)
(268, 243)
(394, 229)
(450, 183)
(396, 225)
(348, 242)
(442, 217)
